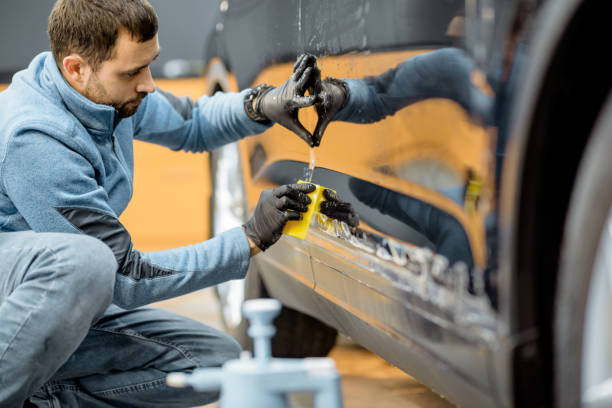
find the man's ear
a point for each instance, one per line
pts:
(75, 68)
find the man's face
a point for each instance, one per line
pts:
(125, 79)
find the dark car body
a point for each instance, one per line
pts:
(459, 272)
(452, 273)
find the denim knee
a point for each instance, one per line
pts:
(231, 349)
(88, 272)
(219, 349)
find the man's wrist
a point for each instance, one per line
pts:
(253, 248)
(251, 101)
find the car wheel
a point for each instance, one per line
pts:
(583, 318)
(297, 335)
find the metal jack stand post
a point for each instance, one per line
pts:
(264, 381)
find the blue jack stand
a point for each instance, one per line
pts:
(264, 381)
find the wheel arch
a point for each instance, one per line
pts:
(562, 94)
(219, 77)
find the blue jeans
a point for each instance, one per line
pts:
(64, 345)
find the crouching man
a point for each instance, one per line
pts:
(72, 332)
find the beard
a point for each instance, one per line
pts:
(95, 92)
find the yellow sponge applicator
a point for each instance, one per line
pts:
(299, 228)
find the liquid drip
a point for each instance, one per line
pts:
(310, 170)
(299, 18)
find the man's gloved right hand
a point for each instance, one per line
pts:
(272, 212)
(332, 95)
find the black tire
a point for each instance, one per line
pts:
(589, 208)
(298, 335)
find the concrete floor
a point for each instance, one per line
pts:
(367, 380)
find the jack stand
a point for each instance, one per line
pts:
(264, 381)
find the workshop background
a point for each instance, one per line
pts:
(170, 207)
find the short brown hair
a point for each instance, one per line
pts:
(90, 27)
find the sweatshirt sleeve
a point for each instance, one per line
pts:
(204, 125)
(55, 190)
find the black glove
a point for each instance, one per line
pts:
(332, 95)
(334, 207)
(282, 104)
(272, 212)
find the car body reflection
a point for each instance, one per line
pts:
(445, 232)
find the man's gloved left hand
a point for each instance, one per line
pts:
(282, 104)
(273, 211)
(334, 207)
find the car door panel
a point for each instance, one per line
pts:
(420, 177)
(417, 274)
(290, 256)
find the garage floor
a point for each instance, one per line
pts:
(367, 380)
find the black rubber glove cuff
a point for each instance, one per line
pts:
(252, 110)
(255, 238)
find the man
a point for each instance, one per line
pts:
(66, 166)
